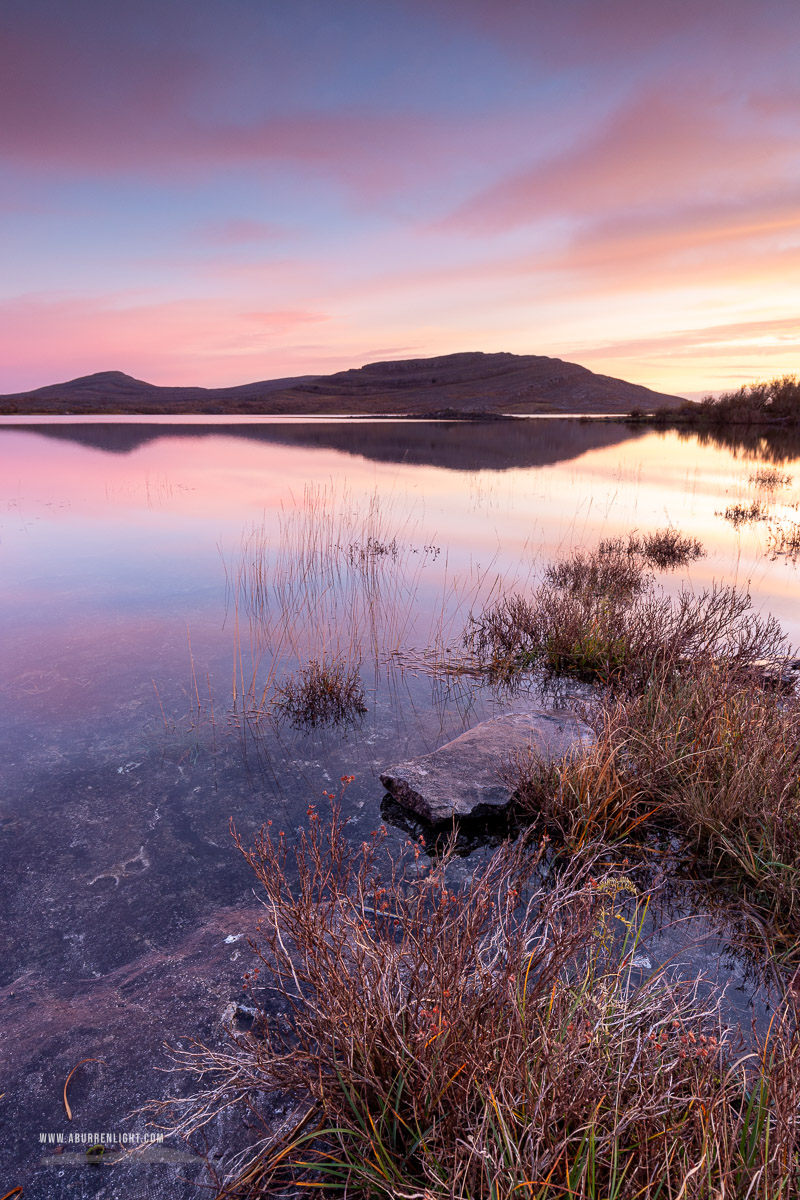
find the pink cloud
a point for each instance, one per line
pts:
(710, 339)
(709, 358)
(657, 150)
(93, 97)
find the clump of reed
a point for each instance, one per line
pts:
(612, 570)
(339, 576)
(491, 1040)
(620, 566)
(770, 479)
(363, 552)
(328, 691)
(599, 617)
(745, 514)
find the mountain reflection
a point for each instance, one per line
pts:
(453, 445)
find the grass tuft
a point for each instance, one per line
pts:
(667, 548)
(326, 692)
(784, 540)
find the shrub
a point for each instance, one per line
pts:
(774, 400)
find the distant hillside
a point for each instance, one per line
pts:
(470, 384)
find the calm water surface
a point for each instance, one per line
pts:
(157, 580)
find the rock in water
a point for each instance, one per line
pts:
(463, 777)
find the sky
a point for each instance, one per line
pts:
(213, 192)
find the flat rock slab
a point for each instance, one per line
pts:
(463, 777)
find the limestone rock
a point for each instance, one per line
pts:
(463, 777)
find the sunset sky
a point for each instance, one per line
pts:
(218, 191)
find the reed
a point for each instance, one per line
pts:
(770, 479)
(344, 580)
(784, 540)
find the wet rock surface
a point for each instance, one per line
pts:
(121, 1022)
(463, 778)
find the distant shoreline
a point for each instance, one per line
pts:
(218, 416)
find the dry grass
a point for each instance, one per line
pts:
(720, 753)
(699, 727)
(325, 692)
(485, 1042)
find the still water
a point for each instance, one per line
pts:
(159, 580)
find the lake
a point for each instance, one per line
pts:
(159, 580)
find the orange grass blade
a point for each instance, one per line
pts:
(66, 1085)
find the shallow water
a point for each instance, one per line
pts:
(157, 580)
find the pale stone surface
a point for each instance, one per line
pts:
(463, 777)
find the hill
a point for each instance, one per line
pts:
(470, 384)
